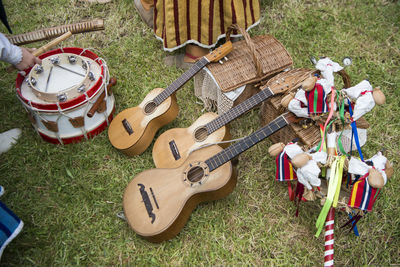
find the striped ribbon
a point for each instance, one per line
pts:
(329, 237)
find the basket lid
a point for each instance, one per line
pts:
(241, 69)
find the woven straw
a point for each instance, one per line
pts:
(307, 137)
(251, 61)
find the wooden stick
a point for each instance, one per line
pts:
(100, 99)
(329, 238)
(51, 44)
(53, 32)
(46, 47)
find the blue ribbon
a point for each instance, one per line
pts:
(355, 230)
(354, 129)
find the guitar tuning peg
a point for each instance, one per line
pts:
(220, 62)
(226, 59)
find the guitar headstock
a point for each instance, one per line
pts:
(282, 85)
(291, 118)
(220, 52)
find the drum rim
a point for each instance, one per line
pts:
(70, 103)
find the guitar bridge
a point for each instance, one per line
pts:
(174, 150)
(147, 203)
(127, 126)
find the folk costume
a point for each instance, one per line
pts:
(362, 94)
(363, 195)
(177, 23)
(284, 167)
(317, 98)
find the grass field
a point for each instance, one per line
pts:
(68, 196)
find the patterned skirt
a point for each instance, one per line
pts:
(202, 22)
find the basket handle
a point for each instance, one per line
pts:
(249, 43)
(346, 78)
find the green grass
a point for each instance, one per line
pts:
(68, 196)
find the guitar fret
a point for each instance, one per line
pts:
(178, 83)
(239, 109)
(248, 142)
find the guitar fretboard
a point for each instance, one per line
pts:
(178, 83)
(238, 110)
(234, 150)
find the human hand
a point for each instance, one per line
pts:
(28, 59)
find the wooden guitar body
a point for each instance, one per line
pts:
(158, 202)
(173, 147)
(133, 129)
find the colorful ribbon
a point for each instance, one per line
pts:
(354, 129)
(333, 192)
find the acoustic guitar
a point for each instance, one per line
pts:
(158, 202)
(173, 146)
(132, 130)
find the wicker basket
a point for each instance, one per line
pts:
(308, 136)
(251, 61)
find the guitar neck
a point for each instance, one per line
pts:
(178, 83)
(248, 142)
(238, 110)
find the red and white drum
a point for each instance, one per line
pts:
(69, 96)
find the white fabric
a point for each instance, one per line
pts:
(331, 140)
(364, 102)
(308, 174)
(320, 156)
(8, 139)
(325, 85)
(232, 95)
(355, 91)
(358, 167)
(8, 52)
(292, 150)
(379, 161)
(327, 68)
(295, 104)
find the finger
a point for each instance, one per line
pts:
(38, 60)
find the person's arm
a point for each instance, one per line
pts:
(8, 52)
(20, 57)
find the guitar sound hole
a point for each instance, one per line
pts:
(195, 174)
(200, 134)
(150, 107)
